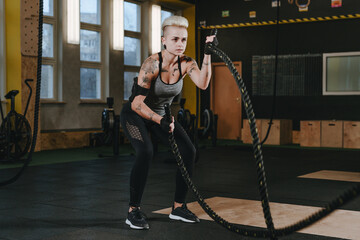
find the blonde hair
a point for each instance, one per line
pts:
(175, 21)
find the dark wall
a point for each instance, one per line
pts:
(240, 44)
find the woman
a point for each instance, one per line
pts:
(160, 80)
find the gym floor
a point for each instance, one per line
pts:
(86, 197)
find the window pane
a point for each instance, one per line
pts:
(128, 83)
(132, 16)
(343, 74)
(90, 46)
(165, 14)
(132, 52)
(90, 11)
(47, 81)
(48, 40)
(90, 83)
(48, 9)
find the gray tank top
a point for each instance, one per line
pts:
(161, 93)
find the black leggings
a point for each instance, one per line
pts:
(137, 131)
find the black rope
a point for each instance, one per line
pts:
(275, 74)
(271, 232)
(1, 111)
(37, 100)
(197, 90)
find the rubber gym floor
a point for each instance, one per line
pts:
(76, 194)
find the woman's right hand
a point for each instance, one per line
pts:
(167, 126)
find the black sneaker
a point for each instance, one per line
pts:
(137, 219)
(184, 214)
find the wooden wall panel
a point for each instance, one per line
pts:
(280, 133)
(332, 134)
(245, 132)
(226, 101)
(29, 53)
(295, 137)
(351, 134)
(63, 140)
(29, 27)
(310, 133)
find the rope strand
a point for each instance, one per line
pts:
(271, 232)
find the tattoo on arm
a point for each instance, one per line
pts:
(206, 63)
(191, 71)
(188, 59)
(151, 115)
(149, 65)
(192, 67)
(145, 82)
(138, 107)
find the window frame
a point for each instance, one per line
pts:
(325, 92)
(137, 35)
(53, 61)
(96, 65)
(173, 13)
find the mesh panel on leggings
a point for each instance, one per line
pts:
(134, 131)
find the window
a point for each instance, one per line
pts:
(341, 73)
(164, 14)
(91, 50)
(49, 52)
(132, 45)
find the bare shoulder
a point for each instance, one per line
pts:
(187, 60)
(149, 69)
(151, 64)
(190, 64)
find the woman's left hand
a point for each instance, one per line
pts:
(210, 38)
(172, 125)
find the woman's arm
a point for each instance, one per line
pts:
(202, 77)
(149, 70)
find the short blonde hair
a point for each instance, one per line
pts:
(175, 21)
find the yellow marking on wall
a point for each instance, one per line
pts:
(13, 50)
(189, 89)
(283, 21)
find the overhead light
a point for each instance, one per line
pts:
(155, 28)
(118, 24)
(73, 21)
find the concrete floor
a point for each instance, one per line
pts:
(89, 199)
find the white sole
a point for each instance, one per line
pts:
(133, 226)
(174, 217)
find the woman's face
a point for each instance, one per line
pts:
(175, 39)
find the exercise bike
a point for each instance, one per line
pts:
(15, 130)
(210, 126)
(110, 125)
(186, 120)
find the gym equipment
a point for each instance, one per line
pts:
(210, 126)
(15, 130)
(110, 125)
(186, 119)
(37, 100)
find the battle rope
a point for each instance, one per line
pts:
(37, 100)
(271, 231)
(275, 74)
